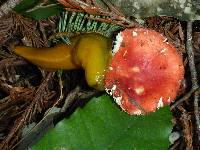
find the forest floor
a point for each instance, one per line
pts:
(27, 92)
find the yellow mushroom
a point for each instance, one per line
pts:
(90, 51)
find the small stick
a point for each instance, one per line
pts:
(70, 98)
(185, 97)
(8, 6)
(186, 122)
(194, 79)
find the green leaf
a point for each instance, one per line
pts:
(25, 5)
(101, 125)
(44, 11)
(36, 10)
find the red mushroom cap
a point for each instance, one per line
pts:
(145, 73)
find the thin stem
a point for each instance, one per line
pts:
(194, 79)
(185, 97)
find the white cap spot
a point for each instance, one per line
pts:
(135, 69)
(134, 33)
(138, 112)
(139, 90)
(163, 51)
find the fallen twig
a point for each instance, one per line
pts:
(185, 97)
(41, 94)
(77, 93)
(194, 79)
(187, 128)
(8, 6)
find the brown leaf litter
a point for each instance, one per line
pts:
(25, 96)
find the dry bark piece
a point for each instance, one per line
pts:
(145, 72)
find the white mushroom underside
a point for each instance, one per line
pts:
(111, 92)
(117, 43)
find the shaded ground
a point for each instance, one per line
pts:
(27, 92)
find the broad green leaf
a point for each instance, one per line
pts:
(36, 10)
(25, 5)
(101, 125)
(44, 11)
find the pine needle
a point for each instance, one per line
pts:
(13, 24)
(72, 23)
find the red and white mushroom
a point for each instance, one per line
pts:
(145, 73)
